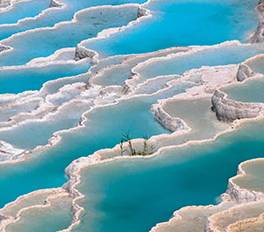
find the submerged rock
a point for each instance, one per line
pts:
(141, 12)
(81, 53)
(4, 47)
(55, 3)
(228, 110)
(244, 72)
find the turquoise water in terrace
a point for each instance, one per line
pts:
(183, 23)
(32, 134)
(251, 91)
(257, 64)
(20, 80)
(56, 15)
(131, 194)
(135, 194)
(22, 10)
(224, 55)
(49, 219)
(65, 35)
(46, 170)
(53, 87)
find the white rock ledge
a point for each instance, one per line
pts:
(76, 164)
(8, 152)
(229, 110)
(170, 123)
(242, 195)
(244, 72)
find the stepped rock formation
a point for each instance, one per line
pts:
(228, 110)
(244, 72)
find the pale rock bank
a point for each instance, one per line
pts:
(242, 195)
(7, 151)
(233, 218)
(170, 123)
(228, 110)
(76, 164)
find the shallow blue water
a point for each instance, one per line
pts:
(44, 220)
(54, 15)
(224, 55)
(45, 42)
(18, 11)
(140, 193)
(47, 171)
(183, 23)
(252, 91)
(20, 80)
(133, 195)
